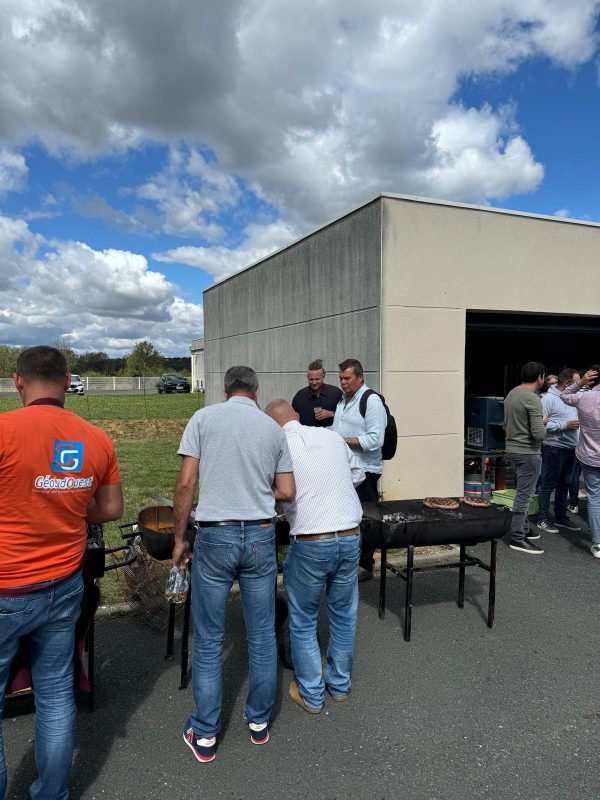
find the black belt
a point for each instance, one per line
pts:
(222, 522)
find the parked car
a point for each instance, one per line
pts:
(76, 386)
(172, 382)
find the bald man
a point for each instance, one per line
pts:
(323, 555)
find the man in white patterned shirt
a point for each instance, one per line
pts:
(323, 555)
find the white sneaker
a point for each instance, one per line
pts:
(574, 509)
(595, 550)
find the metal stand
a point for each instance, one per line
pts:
(465, 560)
(185, 636)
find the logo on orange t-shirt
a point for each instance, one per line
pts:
(67, 456)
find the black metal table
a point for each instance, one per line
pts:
(414, 525)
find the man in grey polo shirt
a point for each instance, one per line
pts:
(243, 464)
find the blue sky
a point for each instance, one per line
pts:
(149, 150)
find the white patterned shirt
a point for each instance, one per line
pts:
(326, 473)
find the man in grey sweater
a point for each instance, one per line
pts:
(525, 430)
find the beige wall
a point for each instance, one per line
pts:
(438, 261)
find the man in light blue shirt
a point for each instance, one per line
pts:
(364, 436)
(558, 456)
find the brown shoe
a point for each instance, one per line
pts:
(294, 693)
(339, 698)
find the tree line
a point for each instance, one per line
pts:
(143, 360)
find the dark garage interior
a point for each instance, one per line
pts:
(498, 344)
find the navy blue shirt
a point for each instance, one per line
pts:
(305, 402)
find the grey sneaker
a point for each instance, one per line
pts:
(546, 526)
(525, 546)
(595, 550)
(568, 524)
(574, 509)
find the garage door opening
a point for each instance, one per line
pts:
(498, 344)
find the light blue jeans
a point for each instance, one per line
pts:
(591, 479)
(48, 619)
(222, 554)
(311, 567)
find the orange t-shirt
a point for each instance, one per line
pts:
(52, 463)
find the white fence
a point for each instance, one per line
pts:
(102, 385)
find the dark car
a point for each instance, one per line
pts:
(172, 382)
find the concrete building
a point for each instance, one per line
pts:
(432, 297)
(198, 377)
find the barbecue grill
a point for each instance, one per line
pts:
(407, 524)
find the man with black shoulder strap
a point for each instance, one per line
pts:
(364, 436)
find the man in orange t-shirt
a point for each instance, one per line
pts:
(57, 472)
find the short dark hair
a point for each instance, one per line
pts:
(240, 379)
(353, 364)
(316, 364)
(42, 363)
(566, 375)
(531, 371)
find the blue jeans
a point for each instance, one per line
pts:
(309, 568)
(48, 619)
(591, 479)
(222, 554)
(557, 469)
(527, 470)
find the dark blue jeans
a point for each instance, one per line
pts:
(557, 468)
(48, 619)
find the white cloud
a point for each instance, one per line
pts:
(220, 261)
(97, 300)
(316, 105)
(562, 212)
(189, 192)
(13, 171)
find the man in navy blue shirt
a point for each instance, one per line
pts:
(316, 403)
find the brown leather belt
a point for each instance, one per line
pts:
(310, 537)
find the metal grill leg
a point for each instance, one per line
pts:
(90, 665)
(461, 577)
(382, 583)
(410, 550)
(171, 631)
(492, 596)
(185, 636)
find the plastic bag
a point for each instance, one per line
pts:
(178, 584)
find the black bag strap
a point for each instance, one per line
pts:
(362, 405)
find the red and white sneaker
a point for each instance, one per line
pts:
(259, 732)
(203, 749)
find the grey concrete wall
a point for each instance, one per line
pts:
(318, 298)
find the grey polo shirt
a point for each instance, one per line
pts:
(240, 449)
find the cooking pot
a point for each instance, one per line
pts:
(156, 527)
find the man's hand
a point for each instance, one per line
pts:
(545, 419)
(589, 376)
(324, 414)
(182, 554)
(573, 425)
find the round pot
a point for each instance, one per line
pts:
(156, 527)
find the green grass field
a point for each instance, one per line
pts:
(146, 432)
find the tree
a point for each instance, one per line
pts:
(144, 359)
(8, 360)
(69, 354)
(97, 362)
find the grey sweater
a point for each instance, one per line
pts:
(523, 421)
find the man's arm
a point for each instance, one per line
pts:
(551, 412)
(284, 487)
(536, 419)
(183, 501)
(106, 505)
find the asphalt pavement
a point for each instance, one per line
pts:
(461, 711)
